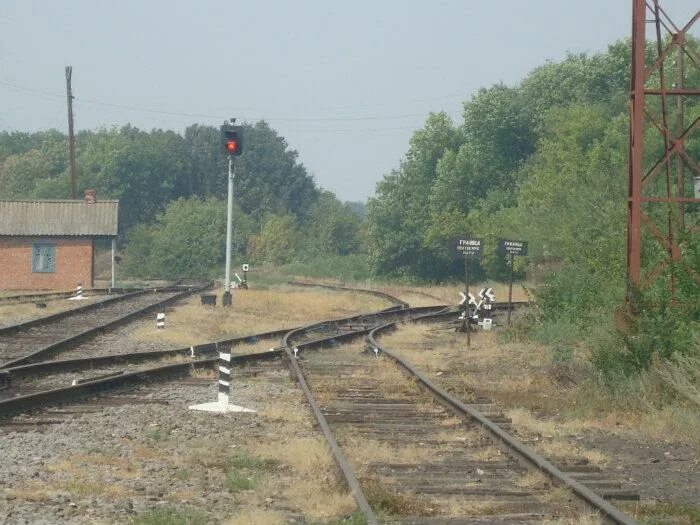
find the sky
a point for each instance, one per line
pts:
(346, 83)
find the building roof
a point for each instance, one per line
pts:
(59, 217)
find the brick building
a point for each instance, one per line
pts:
(49, 244)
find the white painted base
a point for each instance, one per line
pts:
(77, 298)
(220, 408)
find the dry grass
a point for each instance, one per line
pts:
(307, 455)
(440, 294)
(256, 311)
(32, 491)
(561, 450)
(533, 480)
(92, 488)
(256, 517)
(364, 452)
(322, 498)
(18, 312)
(585, 519)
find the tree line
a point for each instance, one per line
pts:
(172, 191)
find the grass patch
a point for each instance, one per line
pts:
(658, 513)
(240, 480)
(171, 516)
(244, 461)
(155, 434)
(391, 503)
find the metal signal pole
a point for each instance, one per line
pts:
(71, 136)
(227, 299)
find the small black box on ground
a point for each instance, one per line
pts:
(208, 299)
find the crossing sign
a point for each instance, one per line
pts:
(487, 293)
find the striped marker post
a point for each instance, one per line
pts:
(160, 321)
(78, 293)
(224, 377)
(223, 402)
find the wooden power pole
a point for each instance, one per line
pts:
(71, 136)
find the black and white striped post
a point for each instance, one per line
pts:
(223, 399)
(78, 293)
(224, 377)
(160, 321)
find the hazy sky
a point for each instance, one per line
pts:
(345, 82)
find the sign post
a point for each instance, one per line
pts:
(511, 249)
(468, 249)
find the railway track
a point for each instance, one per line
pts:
(52, 296)
(409, 455)
(33, 340)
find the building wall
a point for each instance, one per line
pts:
(73, 264)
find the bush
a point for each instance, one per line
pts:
(187, 239)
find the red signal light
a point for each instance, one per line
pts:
(232, 146)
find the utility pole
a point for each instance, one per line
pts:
(71, 136)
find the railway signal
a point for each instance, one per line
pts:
(511, 249)
(233, 147)
(232, 140)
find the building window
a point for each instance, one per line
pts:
(43, 257)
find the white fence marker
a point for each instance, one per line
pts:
(160, 321)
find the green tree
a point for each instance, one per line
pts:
(279, 239)
(332, 228)
(398, 215)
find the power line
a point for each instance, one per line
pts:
(207, 116)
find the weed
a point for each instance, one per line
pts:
(155, 434)
(171, 516)
(395, 504)
(656, 512)
(239, 480)
(244, 461)
(183, 474)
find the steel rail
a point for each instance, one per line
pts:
(50, 296)
(54, 396)
(340, 459)
(57, 346)
(67, 313)
(79, 363)
(499, 436)
(60, 395)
